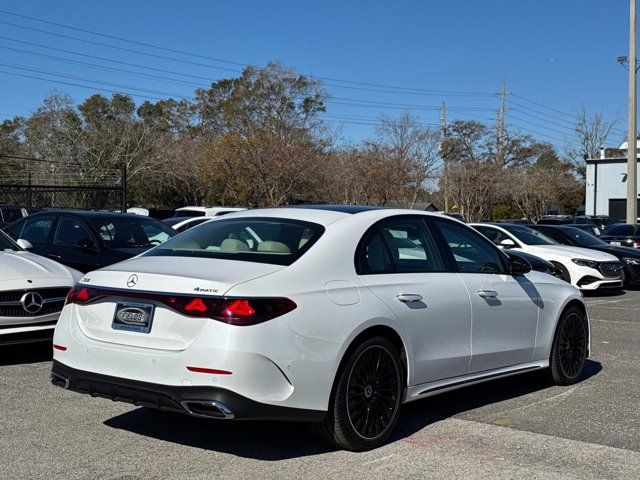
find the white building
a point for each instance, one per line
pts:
(607, 183)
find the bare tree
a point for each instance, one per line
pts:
(590, 133)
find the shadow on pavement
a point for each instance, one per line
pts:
(26, 353)
(273, 441)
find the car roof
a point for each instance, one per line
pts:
(352, 209)
(326, 214)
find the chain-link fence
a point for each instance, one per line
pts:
(39, 185)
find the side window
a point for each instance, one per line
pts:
(37, 229)
(70, 231)
(553, 235)
(411, 246)
(471, 252)
(373, 256)
(493, 234)
(402, 245)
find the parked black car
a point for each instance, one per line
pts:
(564, 220)
(623, 235)
(537, 263)
(588, 227)
(568, 235)
(603, 221)
(89, 240)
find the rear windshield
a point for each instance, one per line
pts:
(624, 229)
(130, 232)
(261, 240)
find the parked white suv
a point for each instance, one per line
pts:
(585, 268)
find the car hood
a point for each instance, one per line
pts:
(207, 276)
(21, 265)
(573, 252)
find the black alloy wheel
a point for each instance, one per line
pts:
(366, 398)
(373, 392)
(570, 347)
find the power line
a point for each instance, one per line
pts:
(401, 89)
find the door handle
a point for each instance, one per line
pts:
(487, 293)
(55, 256)
(409, 297)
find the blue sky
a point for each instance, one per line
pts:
(554, 55)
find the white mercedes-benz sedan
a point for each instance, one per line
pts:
(32, 293)
(585, 268)
(335, 315)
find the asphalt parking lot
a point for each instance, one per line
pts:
(519, 427)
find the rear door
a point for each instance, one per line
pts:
(505, 307)
(399, 261)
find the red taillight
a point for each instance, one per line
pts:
(196, 305)
(80, 294)
(60, 347)
(239, 308)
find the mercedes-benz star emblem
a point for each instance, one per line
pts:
(133, 279)
(32, 302)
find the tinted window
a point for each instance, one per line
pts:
(493, 234)
(471, 252)
(529, 236)
(583, 238)
(192, 224)
(129, 232)
(15, 230)
(70, 231)
(373, 256)
(188, 213)
(37, 229)
(6, 243)
(262, 240)
(555, 235)
(620, 230)
(412, 248)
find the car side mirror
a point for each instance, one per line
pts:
(518, 266)
(86, 244)
(26, 244)
(507, 243)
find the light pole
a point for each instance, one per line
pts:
(632, 158)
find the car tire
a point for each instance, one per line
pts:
(566, 276)
(366, 398)
(570, 347)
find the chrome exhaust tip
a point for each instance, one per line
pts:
(207, 408)
(59, 380)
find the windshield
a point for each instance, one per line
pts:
(528, 236)
(129, 232)
(250, 239)
(6, 243)
(583, 238)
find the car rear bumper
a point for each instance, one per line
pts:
(199, 401)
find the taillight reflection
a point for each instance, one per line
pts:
(234, 311)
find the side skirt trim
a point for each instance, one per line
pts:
(419, 391)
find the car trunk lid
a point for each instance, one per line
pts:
(137, 286)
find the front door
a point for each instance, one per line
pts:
(505, 307)
(399, 261)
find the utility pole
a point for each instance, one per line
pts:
(500, 125)
(445, 175)
(632, 158)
